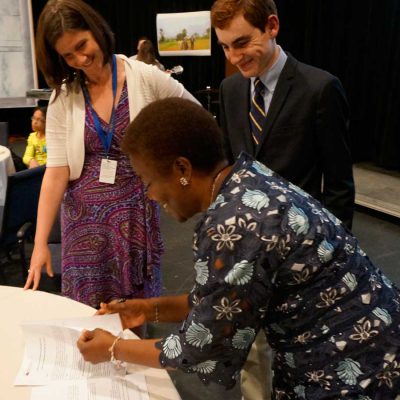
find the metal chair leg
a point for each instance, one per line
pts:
(24, 261)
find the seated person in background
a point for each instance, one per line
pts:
(141, 40)
(268, 257)
(147, 54)
(35, 152)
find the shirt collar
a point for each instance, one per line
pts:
(270, 77)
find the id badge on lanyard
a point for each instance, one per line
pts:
(108, 168)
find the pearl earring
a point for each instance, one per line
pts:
(183, 181)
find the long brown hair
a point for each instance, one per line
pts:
(147, 53)
(58, 17)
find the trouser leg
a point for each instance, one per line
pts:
(256, 375)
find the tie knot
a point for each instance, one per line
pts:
(258, 85)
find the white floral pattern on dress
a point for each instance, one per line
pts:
(243, 338)
(226, 237)
(238, 176)
(262, 169)
(172, 347)
(298, 220)
(390, 372)
(364, 332)
(206, 367)
(332, 217)
(255, 199)
(219, 201)
(241, 273)
(329, 298)
(348, 371)
(319, 377)
(387, 282)
(350, 281)
(300, 391)
(198, 335)
(383, 315)
(325, 251)
(289, 360)
(298, 190)
(227, 309)
(201, 268)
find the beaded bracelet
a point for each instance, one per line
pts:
(117, 363)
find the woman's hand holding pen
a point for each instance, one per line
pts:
(133, 313)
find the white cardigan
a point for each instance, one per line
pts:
(65, 120)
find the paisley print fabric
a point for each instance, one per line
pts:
(111, 237)
(268, 256)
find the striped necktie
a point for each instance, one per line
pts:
(257, 111)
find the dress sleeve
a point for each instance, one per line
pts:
(228, 302)
(29, 151)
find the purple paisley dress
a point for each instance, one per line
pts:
(111, 243)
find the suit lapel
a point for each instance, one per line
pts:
(242, 114)
(282, 90)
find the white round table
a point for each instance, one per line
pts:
(6, 158)
(17, 305)
(6, 168)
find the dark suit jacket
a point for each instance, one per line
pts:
(305, 139)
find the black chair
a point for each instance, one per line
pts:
(47, 283)
(17, 148)
(3, 133)
(19, 216)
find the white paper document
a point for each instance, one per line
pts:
(108, 322)
(129, 387)
(51, 353)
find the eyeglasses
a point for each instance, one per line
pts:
(38, 119)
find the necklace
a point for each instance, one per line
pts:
(214, 183)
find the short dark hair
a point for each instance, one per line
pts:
(42, 109)
(255, 12)
(171, 128)
(58, 17)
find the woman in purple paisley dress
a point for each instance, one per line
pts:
(111, 241)
(114, 249)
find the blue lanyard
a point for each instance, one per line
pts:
(104, 136)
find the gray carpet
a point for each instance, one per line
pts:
(377, 188)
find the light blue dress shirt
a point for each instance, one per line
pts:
(270, 78)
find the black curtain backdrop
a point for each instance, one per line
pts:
(131, 19)
(356, 40)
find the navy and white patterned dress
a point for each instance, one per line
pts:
(269, 256)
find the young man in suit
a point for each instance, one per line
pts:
(305, 134)
(301, 130)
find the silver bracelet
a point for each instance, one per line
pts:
(156, 314)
